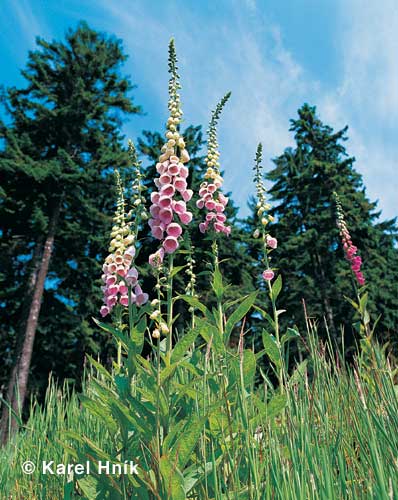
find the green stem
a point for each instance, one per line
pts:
(119, 324)
(158, 370)
(170, 308)
(275, 317)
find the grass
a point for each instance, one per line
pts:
(337, 437)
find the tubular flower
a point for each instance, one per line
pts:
(169, 209)
(210, 198)
(269, 242)
(119, 272)
(350, 250)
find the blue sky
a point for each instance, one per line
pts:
(340, 55)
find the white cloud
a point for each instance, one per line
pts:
(367, 95)
(245, 53)
(30, 23)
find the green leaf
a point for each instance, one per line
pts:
(217, 284)
(276, 405)
(126, 420)
(239, 313)
(176, 270)
(363, 301)
(183, 345)
(187, 441)
(173, 479)
(298, 375)
(210, 333)
(100, 369)
(266, 316)
(248, 367)
(218, 423)
(123, 385)
(271, 348)
(354, 304)
(108, 328)
(99, 411)
(174, 431)
(167, 372)
(194, 302)
(272, 408)
(276, 288)
(137, 334)
(290, 334)
(88, 485)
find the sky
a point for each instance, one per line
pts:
(340, 55)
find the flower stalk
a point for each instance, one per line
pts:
(269, 243)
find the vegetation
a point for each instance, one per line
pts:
(215, 387)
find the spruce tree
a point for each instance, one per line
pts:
(310, 257)
(60, 142)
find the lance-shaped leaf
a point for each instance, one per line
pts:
(239, 313)
(271, 348)
(185, 444)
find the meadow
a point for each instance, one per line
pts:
(331, 435)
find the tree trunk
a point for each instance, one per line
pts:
(16, 392)
(27, 299)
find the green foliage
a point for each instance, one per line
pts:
(60, 143)
(309, 255)
(332, 435)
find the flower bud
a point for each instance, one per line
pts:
(155, 334)
(164, 328)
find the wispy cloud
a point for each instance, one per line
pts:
(25, 20)
(367, 95)
(242, 46)
(240, 54)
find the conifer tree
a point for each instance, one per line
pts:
(309, 257)
(60, 142)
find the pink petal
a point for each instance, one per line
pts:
(165, 202)
(166, 215)
(167, 190)
(180, 184)
(174, 229)
(170, 244)
(157, 232)
(154, 210)
(121, 271)
(187, 194)
(179, 207)
(185, 217)
(184, 172)
(155, 197)
(141, 299)
(165, 179)
(104, 311)
(173, 169)
(111, 280)
(160, 168)
(268, 274)
(124, 300)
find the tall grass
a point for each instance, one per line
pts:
(336, 438)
